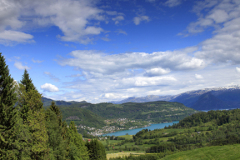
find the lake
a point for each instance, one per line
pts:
(134, 131)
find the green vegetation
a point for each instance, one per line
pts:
(202, 131)
(28, 131)
(156, 112)
(227, 152)
(120, 116)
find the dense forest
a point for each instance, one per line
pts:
(28, 131)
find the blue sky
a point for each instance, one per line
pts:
(106, 50)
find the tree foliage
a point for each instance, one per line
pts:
(96, 150)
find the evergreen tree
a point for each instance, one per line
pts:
(13, 134)
(57, 111)
(56, 142)
(28, 100)
(77, 148)
(27, 82)
(32, 113)
(96, 150)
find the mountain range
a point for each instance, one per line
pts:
(204, 99)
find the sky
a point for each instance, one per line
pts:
(108, 50)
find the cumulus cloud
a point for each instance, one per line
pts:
(137, 20)
(112, 76)
(49, 87)
(20, 66)
(173, 3)
(224, 46)
(50, 75)
(95, 62)
(198, 76)
(71, 17)
(219, 12)
(8, 37)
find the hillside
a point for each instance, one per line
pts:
(157, 112)
(97, 119)
(227, 152)
(200, 136)
(82, 116)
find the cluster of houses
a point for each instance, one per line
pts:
(109, 129)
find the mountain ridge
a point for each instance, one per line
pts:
(229, 95)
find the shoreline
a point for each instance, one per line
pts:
(105, 134)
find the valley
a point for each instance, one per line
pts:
(102, 118)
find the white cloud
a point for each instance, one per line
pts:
(8, 37)
(95, 62)
(220, 11)
(114, 76)
(157, 71)
(137, 20)
(71, 17)
(49, 87)
(173, 3)
(148, 81)
(117, 19)
(198, 76)
(20, 66)
(218, 16)
(238, 69)
(154, 92)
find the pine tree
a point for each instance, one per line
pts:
(56, 141)
(27, 82)
(57, 111)
(77, 148)
(32, 113)
(12, 130)
(96, 150)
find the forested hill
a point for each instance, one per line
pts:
(95, 114)
(159, 111)
(203, 131)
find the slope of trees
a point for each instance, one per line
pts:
(28, 131)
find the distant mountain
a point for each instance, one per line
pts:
(48, 101)
(208, 101)
(150, 98)
(223, 97)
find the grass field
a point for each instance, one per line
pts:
(227, 152)
(122, 154)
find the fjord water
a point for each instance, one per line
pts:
(134, 131)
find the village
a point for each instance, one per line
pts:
(114, 125)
